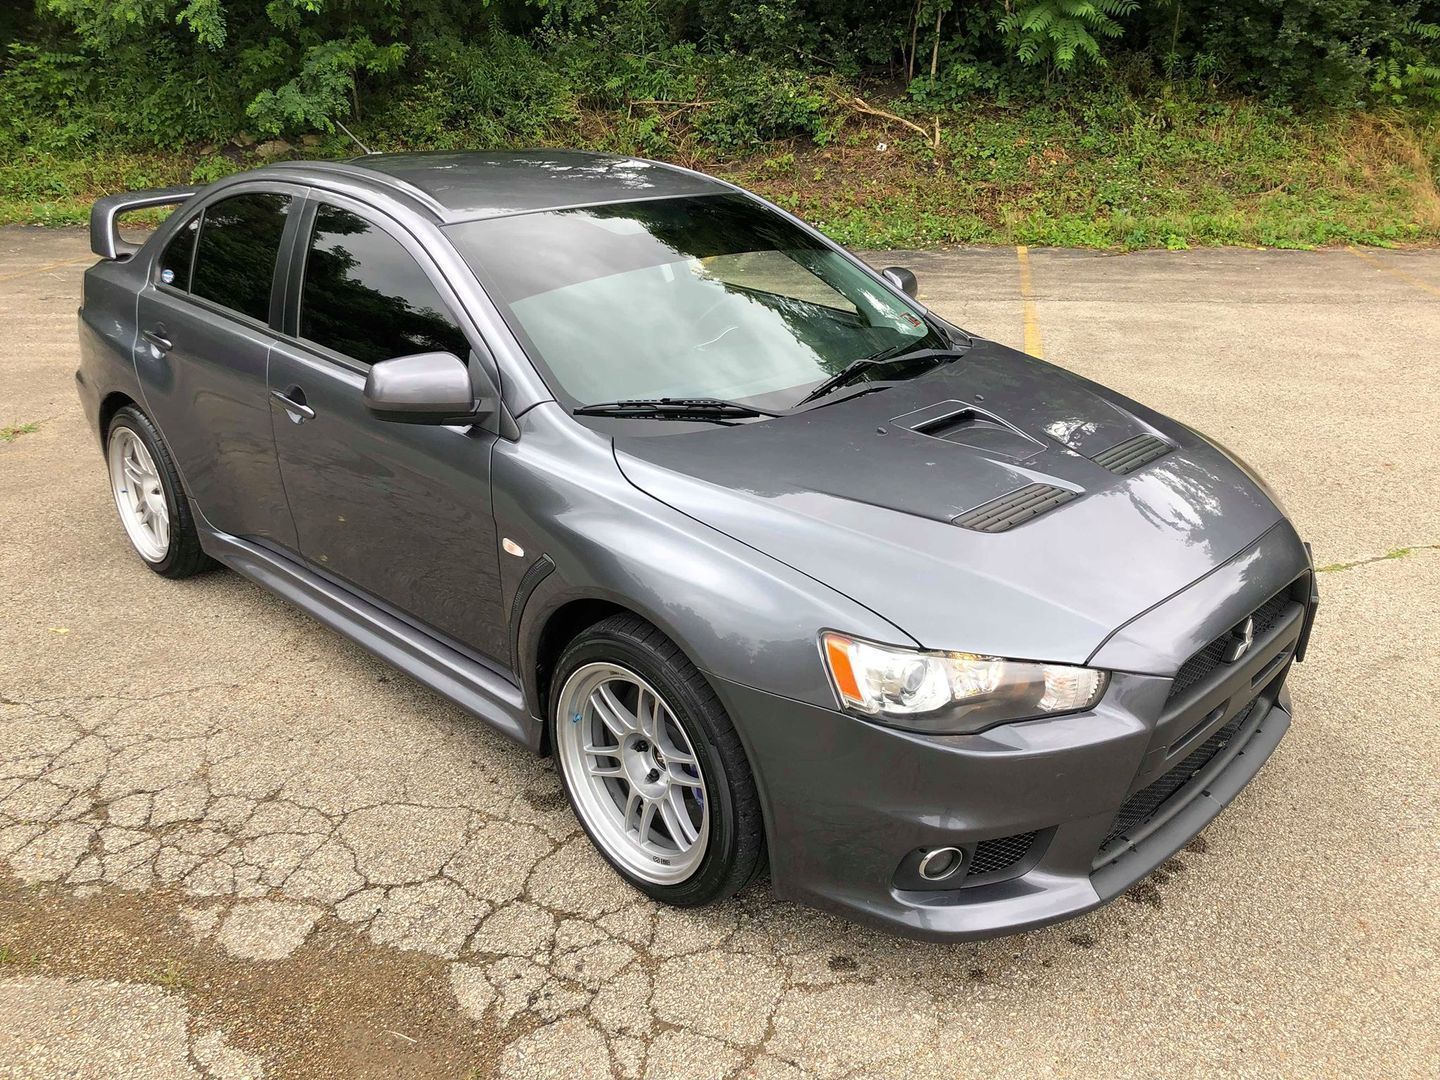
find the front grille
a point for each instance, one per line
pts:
(999, 854)
(1015, 508)
(1195, 670)
(1124, 458)
(1144, 804)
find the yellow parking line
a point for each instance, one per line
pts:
(1401, 274)
(48, 266)
(1027, 296)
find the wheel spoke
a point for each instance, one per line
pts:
(649, 711)
(679, 776)
(594, 768)
(633, 803)
(647, 820)
(677, 819)
(674, 755)
(612, 714)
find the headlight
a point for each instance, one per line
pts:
(948, 693)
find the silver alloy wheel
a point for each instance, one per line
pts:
(633, 773)
(139, 495)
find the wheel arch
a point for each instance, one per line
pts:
(555, 614)
(111, 404)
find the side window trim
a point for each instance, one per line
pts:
(157, 267)
(294, 294)
(280, 276)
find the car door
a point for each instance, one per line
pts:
(203, 342)
(400, 511)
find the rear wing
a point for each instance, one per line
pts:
(105, 233)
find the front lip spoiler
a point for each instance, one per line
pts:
(1218, 782)
(1056, 898)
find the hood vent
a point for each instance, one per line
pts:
(1017, 507)
(1124, 458)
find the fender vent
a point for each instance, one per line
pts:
(1124, 458)
(1017, 507)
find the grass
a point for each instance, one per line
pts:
(1197, 175)
(11, 432)
(172, 976)
(1114, 173)
(1395, 553)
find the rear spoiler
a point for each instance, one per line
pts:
(105, 234)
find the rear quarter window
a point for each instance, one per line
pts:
(179, 254)
(236, 251)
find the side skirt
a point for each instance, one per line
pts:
(479, 690)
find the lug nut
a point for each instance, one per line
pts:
(641, 745)
(652, 775)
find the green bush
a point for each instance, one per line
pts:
(499, 91)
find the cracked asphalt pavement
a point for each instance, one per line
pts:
(234, 845)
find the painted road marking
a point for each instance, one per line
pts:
(1027, 296)
(1401, 274)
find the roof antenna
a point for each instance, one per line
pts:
(363, 148)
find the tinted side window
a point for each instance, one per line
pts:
(364, 295)
(235, 256)
(178, 254)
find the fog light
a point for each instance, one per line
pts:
(939, 863)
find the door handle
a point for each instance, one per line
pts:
(298, 410)
(158, 339)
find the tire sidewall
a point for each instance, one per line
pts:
(691, 714)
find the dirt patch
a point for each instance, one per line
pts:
(339, 1006)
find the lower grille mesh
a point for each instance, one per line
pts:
(1000, 854)
(1144, 804)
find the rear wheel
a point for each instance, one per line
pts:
(652, 765)
(149, 497)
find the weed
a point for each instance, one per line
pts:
(172, 977)
(13, 431)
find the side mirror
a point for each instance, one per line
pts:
(426, 388)
(902, 279)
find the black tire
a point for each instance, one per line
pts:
(183, 558)
(735, 853)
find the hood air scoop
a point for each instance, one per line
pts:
(1124, 458)
(967, 425)
(1016, 508)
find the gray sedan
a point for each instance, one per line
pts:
(787, 573)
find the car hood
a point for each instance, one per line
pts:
(862, 496)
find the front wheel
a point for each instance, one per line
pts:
(652, 765)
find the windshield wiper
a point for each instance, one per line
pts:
(715, 409)
(851, 371)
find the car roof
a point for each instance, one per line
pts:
(467, 185)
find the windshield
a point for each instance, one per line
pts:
(700, 297)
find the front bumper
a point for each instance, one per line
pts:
(850, 805)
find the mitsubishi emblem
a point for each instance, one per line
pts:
(1241, 638)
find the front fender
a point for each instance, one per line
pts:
(737, 613)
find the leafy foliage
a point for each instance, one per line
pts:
(1144, 101)
(1060, 32)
